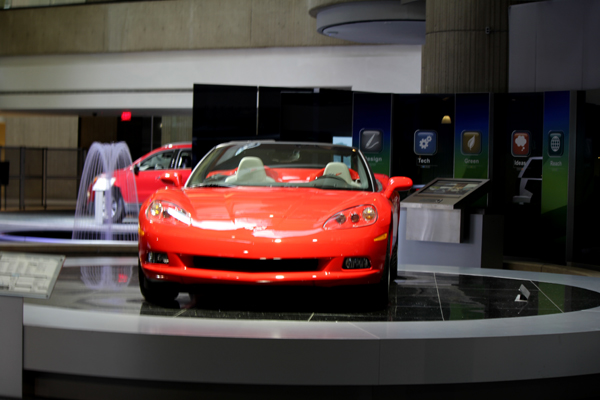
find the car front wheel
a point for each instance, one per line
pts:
(156, 292)
(378, 294)
(382, 295)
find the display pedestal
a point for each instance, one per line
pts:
(21, 275)
(11, 338)
(481, 245)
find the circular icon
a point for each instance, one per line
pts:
(424, 143)
(555, 144)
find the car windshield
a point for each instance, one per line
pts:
(277, 164)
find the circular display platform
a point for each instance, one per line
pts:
(111, 285)
(443, 326)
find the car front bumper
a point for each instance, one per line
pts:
(317, 257)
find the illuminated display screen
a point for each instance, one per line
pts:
(450, 188)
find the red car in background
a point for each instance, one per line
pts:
(175, 159)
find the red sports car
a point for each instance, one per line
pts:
(169, 158)
(271, 213)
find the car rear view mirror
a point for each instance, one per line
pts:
(136, 169)
(397, 183)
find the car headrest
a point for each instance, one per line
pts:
(338, 169)
(251, 169)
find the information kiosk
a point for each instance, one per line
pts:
(440, 226)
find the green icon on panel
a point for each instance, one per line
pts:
(471, 142)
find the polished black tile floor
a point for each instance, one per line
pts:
(414, 296)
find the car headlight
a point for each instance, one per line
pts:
(101, 183)
(165, 211)
(354, 217)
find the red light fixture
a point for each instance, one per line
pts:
(126, 116)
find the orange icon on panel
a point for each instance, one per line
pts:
(520, 143)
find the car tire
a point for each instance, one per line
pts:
(156, 292)
(394, 263)
(116, 209)
(383, 291)
(379, 293)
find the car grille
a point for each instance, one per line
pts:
(248, 265)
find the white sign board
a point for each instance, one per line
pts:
(29, 275)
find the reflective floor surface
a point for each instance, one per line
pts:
(57, 227)
(111, 285)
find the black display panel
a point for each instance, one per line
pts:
(335, 112)
(270, 109)
(226, 113)
(422, 140)
(516, 173)
(316, 116)
(221, 114)
(586, 213)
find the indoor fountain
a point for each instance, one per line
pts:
(107, 186)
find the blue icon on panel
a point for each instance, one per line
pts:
(556, 144)
(425, 143)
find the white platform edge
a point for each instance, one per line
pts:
(318, 353)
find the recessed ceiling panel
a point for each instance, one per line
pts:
(380, 32)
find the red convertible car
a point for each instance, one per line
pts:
(271, 213)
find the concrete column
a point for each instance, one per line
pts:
(466, 46)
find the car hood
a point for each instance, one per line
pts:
(267, 209)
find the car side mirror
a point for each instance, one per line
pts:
(136, 169)
(382, 179)
(171, 179)
(397, 183)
